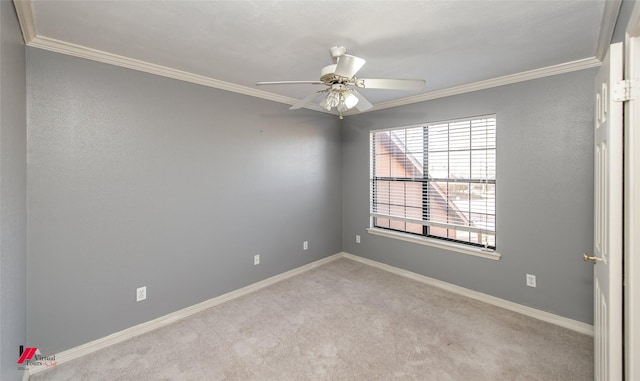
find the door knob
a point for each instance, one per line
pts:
(586, 257)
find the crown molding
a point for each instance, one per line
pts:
(147, 67)
(26, 18)
(567, 67)
(24, 10)
(607, 26)
(70, 49)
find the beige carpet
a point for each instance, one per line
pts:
(344, 321)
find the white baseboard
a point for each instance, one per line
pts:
(548, 317)
(118, 337)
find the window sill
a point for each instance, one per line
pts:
(460, 248)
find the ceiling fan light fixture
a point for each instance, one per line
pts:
(347, 101)
(343, 100)
(332, 100)
(342, 107)
(350, 100)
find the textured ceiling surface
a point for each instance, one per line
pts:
(447, 43)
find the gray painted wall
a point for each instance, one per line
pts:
(135, 179)
(544, 193)
(140, 180)
(13, 210)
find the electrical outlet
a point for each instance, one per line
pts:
(531, 280)
(305, 245)
(357, 238)
(256, 259)
(141, 293)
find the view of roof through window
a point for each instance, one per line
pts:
(457, 198)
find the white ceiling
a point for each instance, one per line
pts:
(234, 44)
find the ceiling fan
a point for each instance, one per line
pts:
(341, 81)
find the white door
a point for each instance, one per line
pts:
(607, 243)
(632, 205)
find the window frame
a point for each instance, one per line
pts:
(426, 238)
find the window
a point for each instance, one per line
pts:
(436, 180)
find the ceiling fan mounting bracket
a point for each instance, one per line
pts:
(337, 51)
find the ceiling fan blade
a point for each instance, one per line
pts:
(392, 84)
(363, 103)
(349, 65)
(306, 100)
(290, 83)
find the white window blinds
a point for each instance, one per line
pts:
(436, 180)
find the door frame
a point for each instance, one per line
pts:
(632, 202)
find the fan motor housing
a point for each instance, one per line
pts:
(327, 74)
